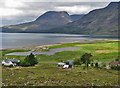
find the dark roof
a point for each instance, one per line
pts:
(12, 60)
(70, 61)
(114, 62)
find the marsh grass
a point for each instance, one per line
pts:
(50, 75)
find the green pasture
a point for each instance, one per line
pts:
(50, 75)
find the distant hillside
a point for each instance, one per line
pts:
(102, 21)
(45, 22)
(76, 17)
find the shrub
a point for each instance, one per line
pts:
(24, 63)
(66, 62)
(115, 67)
(117, 59)
(96, 64)
(103, 64)
(92, 64)
(17, 63)
(77, 62)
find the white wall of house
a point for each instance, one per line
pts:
(8, 64)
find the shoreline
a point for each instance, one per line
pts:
(41, 46)
(48, 45)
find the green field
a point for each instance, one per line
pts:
(50, 75)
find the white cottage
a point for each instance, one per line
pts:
(10, 62)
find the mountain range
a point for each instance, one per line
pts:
(103, 21)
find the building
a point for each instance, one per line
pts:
(10, 62)
(70, 62)
(61, 64)
(68, 66)
(65, 66)
(114, 63)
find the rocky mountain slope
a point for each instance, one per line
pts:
(102, 21)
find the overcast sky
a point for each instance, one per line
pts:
(19, 11)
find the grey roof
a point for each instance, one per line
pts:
(70, 61)
(12, 60)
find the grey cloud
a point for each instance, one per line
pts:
(34, 9)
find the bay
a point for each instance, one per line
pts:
(19, 40)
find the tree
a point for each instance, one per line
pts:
(92, 64)
(77, 62)
(86, 58)
(24, 63)
(96, 64)
(29, 60)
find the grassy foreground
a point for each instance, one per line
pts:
(50, 75)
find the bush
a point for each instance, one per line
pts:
(24, 63)
(117, 59)
(103, 64)
(17, 63)
(77, 62)
(96, 65)
(66, 62)
(115, 67)
(92, 64)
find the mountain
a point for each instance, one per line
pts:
(102, 21)
(45, 22)
(76, 17)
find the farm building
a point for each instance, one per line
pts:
(67, 66)
(10, 62)
(70, 62)
(114, 63)
(61, 64)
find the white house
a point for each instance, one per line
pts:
(9, 62)
(65, 66)
(60, 64)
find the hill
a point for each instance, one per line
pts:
(45, 22)
(102, 21)
(76, 17)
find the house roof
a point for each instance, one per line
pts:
(114, 62)
(12, 60)
(70, 61)
(61, 63)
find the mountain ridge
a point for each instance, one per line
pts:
(101, 21)
(95, 22)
